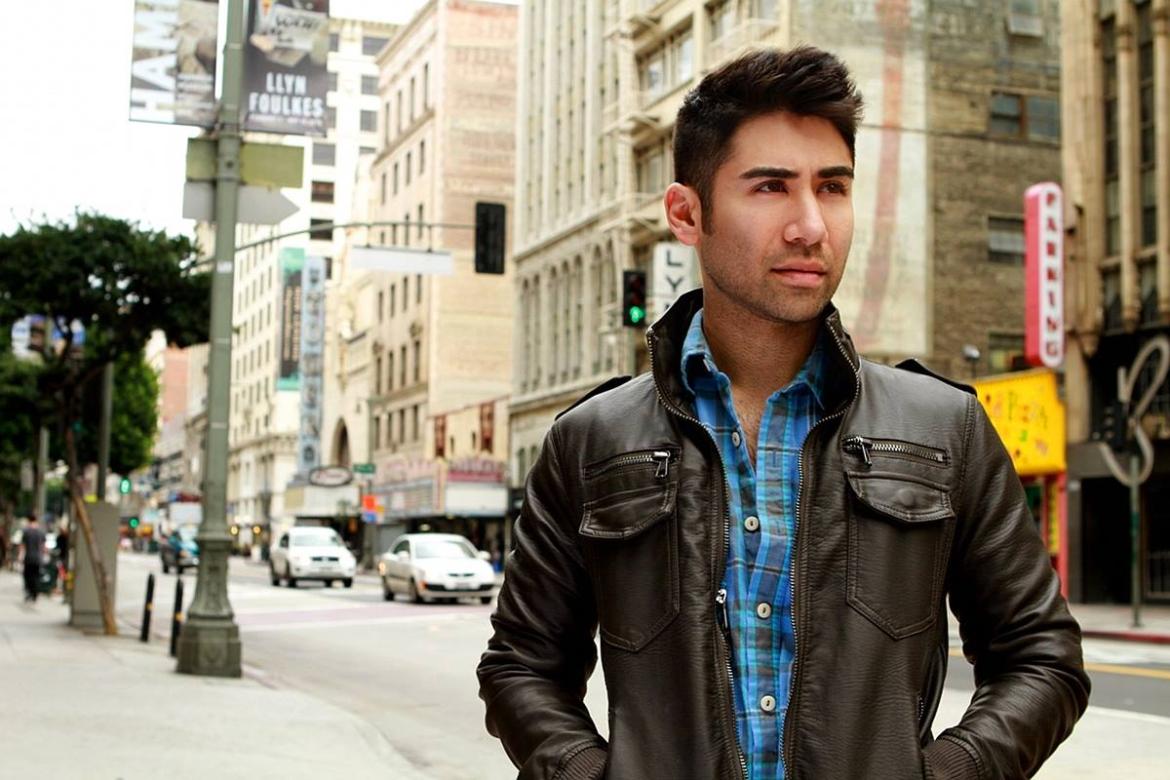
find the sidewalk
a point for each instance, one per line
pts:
(112, 707)
(1115, 621)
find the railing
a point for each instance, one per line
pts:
(749, 32)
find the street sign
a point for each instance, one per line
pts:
(363, 468)
(257, 205)
(261, 165)
(409, 261)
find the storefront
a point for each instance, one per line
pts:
(1029, 417)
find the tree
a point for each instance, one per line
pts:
(20, 411)
(133, 418)
(120, 282)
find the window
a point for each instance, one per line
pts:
(650, 169)
(1024, 18)
(377, 432)
(395, 178)
(417, 360)
(369, 121)
(1005, 352)
(1006, 114)
(411, 98)
(324, 234)
(393, 289)
(414, 423)
(405, 242)
(765, 9)
(367, 150)
(420, 225)
(324, 154)
(406, 284)
(322, 192)
(1112, 167)
(378, 370)
(409, 165)
(334, 41)
(1146, 154)
(332, 81)
(402, 355)
(389, 370)
(400, 112)
(684, 57)
(422, 157)
(1005, 240)
(1043, 118)
(722, 18)
(330, 116)
(426, 84)
(418, 288)
(401, 425)
(653, 74)
(372, 44)
(668, 66)
(383, 191)
(369, 85)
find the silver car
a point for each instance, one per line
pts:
(436, 566)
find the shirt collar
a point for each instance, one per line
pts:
(697, 361)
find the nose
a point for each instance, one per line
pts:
(806, 223)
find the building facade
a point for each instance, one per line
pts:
(961, 116)
(1116, 66)
(415, 342)
(265, 420)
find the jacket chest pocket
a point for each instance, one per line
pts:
(899, 526)
(629, 537)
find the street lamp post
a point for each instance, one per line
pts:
(210, 641)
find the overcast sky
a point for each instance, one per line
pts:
(65, 140)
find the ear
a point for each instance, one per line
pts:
(684, 213)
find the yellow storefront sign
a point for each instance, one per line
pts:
(1028, 415)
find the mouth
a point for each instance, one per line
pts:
(801, 274)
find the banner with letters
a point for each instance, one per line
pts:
(284, 67)
(173, 62)
(292, 263)
(312, 363)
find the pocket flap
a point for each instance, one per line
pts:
(901, 498)
(627, 513)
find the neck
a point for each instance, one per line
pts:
(759, 356)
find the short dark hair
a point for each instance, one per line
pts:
(805, 81)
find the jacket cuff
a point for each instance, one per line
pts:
(589, 764)
(946, 759)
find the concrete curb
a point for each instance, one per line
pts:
(1127, 636)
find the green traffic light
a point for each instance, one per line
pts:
(133, 522)
(124, 486)
(637, 314)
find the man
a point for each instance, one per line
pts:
(33, 541)
(765, 526)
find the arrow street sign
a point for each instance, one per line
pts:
(257, 205)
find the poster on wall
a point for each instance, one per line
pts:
(284, 67)
(173, 62)
(312, 363)
(292, 262)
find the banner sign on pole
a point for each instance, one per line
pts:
(312, 363)
(172, 67)
(292, 261)
(284, 67)
(1044, 275)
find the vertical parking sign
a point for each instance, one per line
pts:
(1044, 275)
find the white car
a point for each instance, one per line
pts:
(311, 553)
(436, 566)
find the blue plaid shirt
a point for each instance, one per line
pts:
(763, 528)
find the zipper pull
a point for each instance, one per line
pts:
(721, 602)
(860, 444)
(663, 458)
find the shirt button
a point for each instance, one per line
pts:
(751, 524)
(764, 610)
(735, 438)
(768, 703)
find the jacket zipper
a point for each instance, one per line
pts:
(794, 686)
(661, 457)
(721, 594)
(865, 446)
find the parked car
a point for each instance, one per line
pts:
(179, 550)
(436, 566)
(311, 553)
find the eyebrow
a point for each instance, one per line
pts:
(766, 172)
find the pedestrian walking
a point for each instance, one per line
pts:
(766, 527)
(33, 543)
(63, 553)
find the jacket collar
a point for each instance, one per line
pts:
(666, 336)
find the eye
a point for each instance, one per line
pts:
(772, 185)
(835, 187)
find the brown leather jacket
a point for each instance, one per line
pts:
(625, 523)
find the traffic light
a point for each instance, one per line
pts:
(633, 298)
(1115, 426)
(124, 486)
(133, 523)
(489, 238)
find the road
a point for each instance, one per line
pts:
(409, 671)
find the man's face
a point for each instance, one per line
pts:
(776, 243)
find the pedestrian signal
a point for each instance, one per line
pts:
(124, 486)
(633, 298)
(132, 522)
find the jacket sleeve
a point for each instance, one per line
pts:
(533, 676)
(1030, 681)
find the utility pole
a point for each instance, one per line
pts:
(210, 641)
